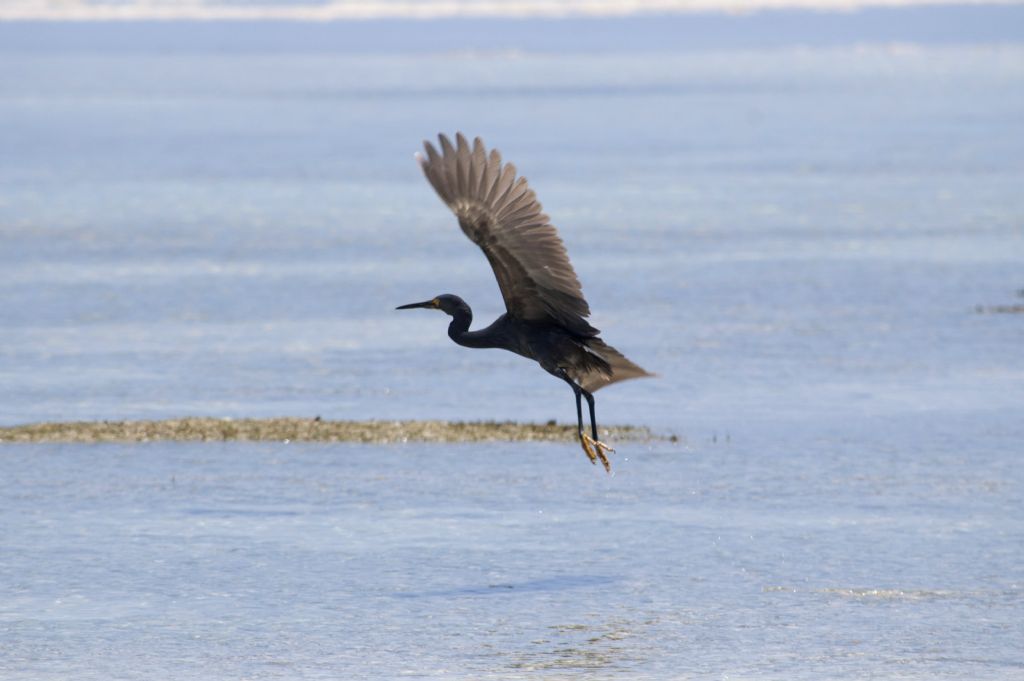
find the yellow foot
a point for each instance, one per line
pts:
(595, 449)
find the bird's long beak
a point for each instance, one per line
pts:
(429, 304)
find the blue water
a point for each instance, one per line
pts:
(772, 556)
(796, 238)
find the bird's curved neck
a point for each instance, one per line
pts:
(458, 329)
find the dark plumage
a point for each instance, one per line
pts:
(546, 312)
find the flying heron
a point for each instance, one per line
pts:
(546, 312)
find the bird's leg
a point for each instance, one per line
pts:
(585, 440)
(599, 447)
(588, 450)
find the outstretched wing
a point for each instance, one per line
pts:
(501, 215)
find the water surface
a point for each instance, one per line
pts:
(796, 238)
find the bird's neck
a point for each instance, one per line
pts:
(458, 330)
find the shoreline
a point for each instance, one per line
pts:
(293, 429)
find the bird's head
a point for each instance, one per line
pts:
(445, 302)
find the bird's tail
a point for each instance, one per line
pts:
(621, 368)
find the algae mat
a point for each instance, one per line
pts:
(305, 430)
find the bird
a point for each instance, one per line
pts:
(546, 313)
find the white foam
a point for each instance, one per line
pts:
(97, 10)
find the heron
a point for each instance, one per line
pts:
(545, 318)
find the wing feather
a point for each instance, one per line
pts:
(479, 186)
(492, 174)
(463, 166)
(506, 175)
(501, 214)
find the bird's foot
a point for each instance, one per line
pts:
(595, 449)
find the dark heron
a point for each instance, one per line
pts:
(546, 312)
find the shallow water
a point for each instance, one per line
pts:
(795, 239)
(779, 556)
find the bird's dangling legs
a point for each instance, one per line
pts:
(599, 447)
(592, 447)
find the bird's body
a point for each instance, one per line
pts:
(546, 312)
(548, 344)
